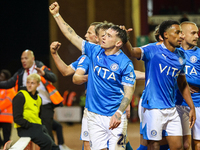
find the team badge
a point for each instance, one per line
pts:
(180, 60)
(81, 60)
(193, 59)
(114, 67)
(85, 133)
(131, 74)
(153, 132)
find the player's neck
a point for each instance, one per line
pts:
(111, 51)
(169, 46)
(187, 46)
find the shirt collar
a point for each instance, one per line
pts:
(163, 46)
(32, 68)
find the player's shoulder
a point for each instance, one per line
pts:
(181, 52)
(197, 49)
(151, 46)
(83, 58)
(90, 44)
(123, 56)
(126, 60)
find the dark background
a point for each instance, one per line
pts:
(23, 25)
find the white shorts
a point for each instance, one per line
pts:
(183, 112)
(84, 127)
(100, 134)
(140, 113)
(157, 121)
(196, 127)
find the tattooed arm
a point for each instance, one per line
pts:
(68, 32)
(116, 118)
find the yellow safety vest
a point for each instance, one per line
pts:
(31, 109)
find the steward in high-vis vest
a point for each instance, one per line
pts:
(6, 113)
(50, 98)
(26, 113)
(6, 96)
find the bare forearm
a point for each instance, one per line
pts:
(185, 90)
(79, 79)
(139, 75)
(69, 33)
(187, 96)
(64, 69)
(132, 51)
(127, 48)
(128, 93)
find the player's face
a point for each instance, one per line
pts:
(174, 35)
(191, 34)
(27, 59)
(109, 40)
(31, 85)
(102, 32)
(90, 35)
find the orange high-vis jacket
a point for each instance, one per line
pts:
(55, 96)
(6, 97)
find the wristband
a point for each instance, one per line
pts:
(119, 112)
(56, 15)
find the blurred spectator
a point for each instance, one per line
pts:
(6, 115)
(184, 18)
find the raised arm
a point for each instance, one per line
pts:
(68, 32)
(139, 75)
(185, 91)
(116, 118)
(128, 49)
(64, 69)
(135, 52)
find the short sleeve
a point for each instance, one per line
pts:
(128, 75)
(83, 63)
(88, 48)
(147, 52)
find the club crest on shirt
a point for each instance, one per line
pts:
(180, 59)
(85, 133)
(193, 59)
(81, 60)
(114, 67)
(153, 132)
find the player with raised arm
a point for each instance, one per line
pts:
(67, 70)
(106, 102)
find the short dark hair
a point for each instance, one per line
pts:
(120, 33)
(166, 25)
(6, 73)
